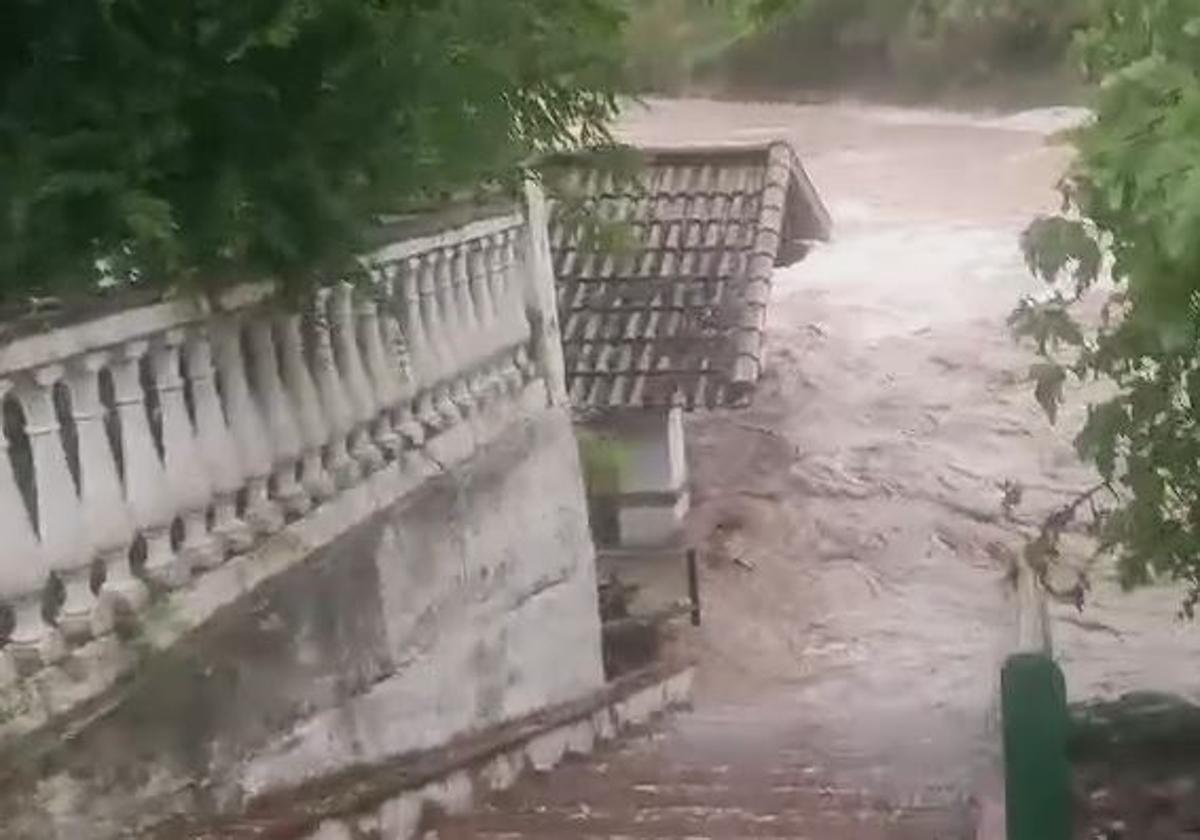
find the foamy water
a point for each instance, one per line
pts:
(867, 476)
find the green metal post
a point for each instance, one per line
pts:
(1036, 768)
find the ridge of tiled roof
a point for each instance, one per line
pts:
(676, 316)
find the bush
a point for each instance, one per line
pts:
(206, 142)
(922, 44)
(666, 39)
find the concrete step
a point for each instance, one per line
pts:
(654, 788)
(710, 823)
(692, 790)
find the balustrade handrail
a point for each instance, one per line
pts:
(32, 350)
(145, 447)
(475, 229)
(61, 342)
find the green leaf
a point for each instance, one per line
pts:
(1050, 379)
(1048, 324)
(1099, 439)
(1052, 244)
(1134, 193)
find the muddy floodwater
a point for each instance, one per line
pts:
(858, 552)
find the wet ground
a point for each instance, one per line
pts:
(857, 606)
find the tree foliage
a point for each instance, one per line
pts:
(1133, 196)
(925, 45)
(206, 141)
(666, 40)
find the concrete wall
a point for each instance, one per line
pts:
(652, 497)
(470, 601)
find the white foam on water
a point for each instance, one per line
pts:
(1048, 120)
(1042, 120)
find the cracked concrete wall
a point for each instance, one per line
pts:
(471, 601)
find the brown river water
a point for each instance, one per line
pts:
(864, 487)
(855, 573)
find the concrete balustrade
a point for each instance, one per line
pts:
(344, 326)
(146, 449)
(147, 492)
(334, 401)
(406, 297)
(301, 388)
(62, 538)
(23, 568)
(262, 513)
(469, 325)
(218, 450)
(509, 311)
(435, 329)
(489, 339)
(383, 383)
(187, 474)
(279, 420)
(456, 332)
(399, 374)
(106, 519)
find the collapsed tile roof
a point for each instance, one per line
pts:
(670, 309)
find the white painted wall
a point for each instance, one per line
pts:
(652, 461)
(436, 575)
(467, 602)
(488, 596)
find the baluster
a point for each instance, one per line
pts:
(186, 473)
(485, 315)
(446, 313)
(473, 339)
(217, 446)
(507, 329)
(442, 363)
(522, 333)
(277, 412)
(306, 402)
(422, 362)
(147, 493)
(107, 523)
(335, 405)
(23, 567)
(502, 360)
(60, 514)
(495, 267)
(249, 435)
(455, 332)
(399, 362)
(380, 377)
(349, 360)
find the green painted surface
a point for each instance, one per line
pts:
(1037, 772)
